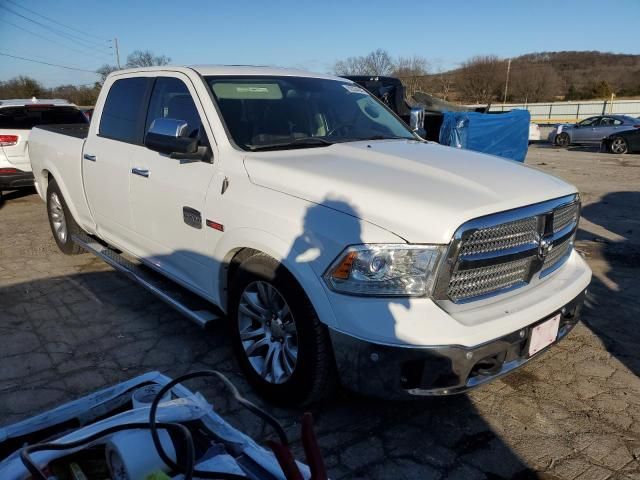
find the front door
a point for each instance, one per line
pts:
(585, 131)
(168, 195)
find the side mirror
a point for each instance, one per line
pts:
(169, 136)
(416, 121)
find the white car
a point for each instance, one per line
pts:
(534, 132)
(334, 242)
(17, 118)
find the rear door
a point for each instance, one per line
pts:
(115, 137)
(16, 123)
(168, 195)
(608, 126)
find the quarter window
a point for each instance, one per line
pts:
(123, 112)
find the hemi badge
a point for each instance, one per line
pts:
(215, 225)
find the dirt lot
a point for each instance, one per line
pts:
(70, 325)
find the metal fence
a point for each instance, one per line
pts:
(569, 112)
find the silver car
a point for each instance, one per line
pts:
(592, 130)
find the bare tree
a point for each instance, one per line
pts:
(104, 72)
(533, 82)
(481, 77)
(351, 66)
(412, 71)
(146, 58)
(21, 87)
(444, 82)
(377, 62)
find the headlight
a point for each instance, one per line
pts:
(385, 270)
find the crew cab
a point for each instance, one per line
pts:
(17, 118)
(333, 242)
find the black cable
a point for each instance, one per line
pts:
(57, 31)
(25, 453)
(47, 63)
(55, 21)
(236, 394)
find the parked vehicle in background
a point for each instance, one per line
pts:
(17, 118)
(534, 132)
(623, 142)
(591, 130)
(333, 242)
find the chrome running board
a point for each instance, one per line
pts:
(184, 301)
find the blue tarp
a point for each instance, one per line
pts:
(502, 134)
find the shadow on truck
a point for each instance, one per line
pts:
(104, 328)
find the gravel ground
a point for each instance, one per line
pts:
(70, 325)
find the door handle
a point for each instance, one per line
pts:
(91, 158)
(143, 172)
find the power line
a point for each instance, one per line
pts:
(47, 63)
(75, 38)
(49, 39)
(55, 21)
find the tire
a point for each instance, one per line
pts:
(618, 145)
(302, 370)
(62, 224)
(563, 140)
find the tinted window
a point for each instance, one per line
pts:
(171, 99)
(610, 122)
(123, 112)
(29, 116)
(278, 112)
(590, 122)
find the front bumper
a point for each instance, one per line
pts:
(19, 179)
(395, 372)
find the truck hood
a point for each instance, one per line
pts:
(422, 192)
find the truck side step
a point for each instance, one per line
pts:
(184, 301)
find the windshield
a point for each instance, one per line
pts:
(264, 113)
(29, 116)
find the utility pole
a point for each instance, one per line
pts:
(115, 43)
(506, 84)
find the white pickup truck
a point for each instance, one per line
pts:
(334, 242)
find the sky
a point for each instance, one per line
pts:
(298, 33)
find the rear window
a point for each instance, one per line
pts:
(124, 111)
(29, 116)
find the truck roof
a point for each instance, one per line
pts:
(19, 102)
(235, 70)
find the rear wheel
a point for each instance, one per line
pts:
(563, 140)
(618, 145)
(281, 346)
(63, 226)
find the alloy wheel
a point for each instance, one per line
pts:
(619, 145)
(268, 332)
(57, 217)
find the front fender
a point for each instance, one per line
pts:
(235, 240)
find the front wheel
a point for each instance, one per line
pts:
(618, 145)
(62, 224)
(281, 346)
(563, 140)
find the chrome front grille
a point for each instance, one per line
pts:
(509, 250)
(557, 253)
(565, 216)
(500, 237)
(480, 281)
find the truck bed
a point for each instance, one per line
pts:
(77, 130)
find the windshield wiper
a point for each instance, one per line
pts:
(297, 143)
